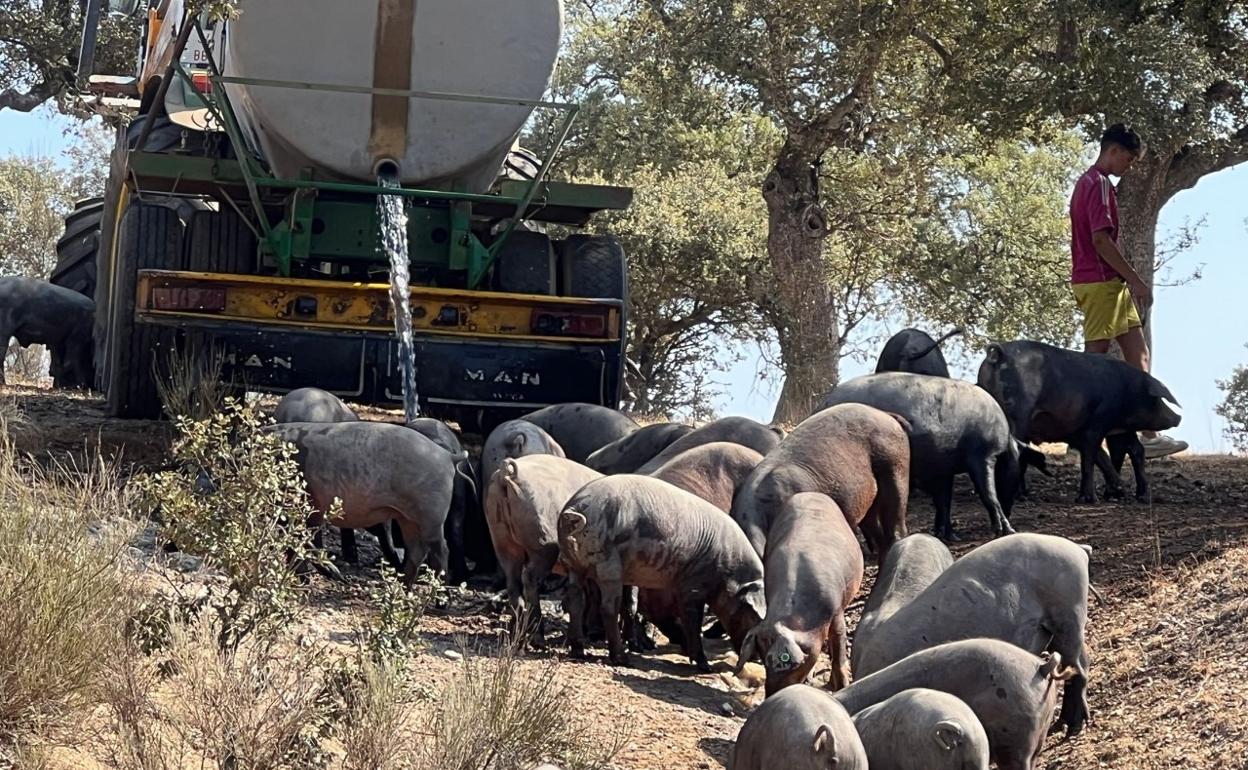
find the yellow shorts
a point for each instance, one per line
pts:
(1108, 309)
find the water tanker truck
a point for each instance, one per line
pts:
(242, 216)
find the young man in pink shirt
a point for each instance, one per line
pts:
(1106, 286)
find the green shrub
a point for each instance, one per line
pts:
(237, 499)
(1234, 408)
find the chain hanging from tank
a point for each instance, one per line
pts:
(392, 221)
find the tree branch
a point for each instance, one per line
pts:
(19, 101)
(945, 57)
(1193, 162)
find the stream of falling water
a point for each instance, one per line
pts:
(392, 220)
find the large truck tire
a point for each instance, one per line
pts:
(526, 264)
(149, 233)
(594, 266)
(76, 250)
(220, 242)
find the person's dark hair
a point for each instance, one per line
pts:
(1123, 136)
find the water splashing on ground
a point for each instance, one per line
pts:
(392, 219)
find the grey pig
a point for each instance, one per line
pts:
(627, 454)
(922, 730)
(1030, 590)
(812, 573)
(855, 454)
(639, 531)
(380, 472)
(800, 728)
(1012, 691)
(582, 429)
(526, 496)
(739, 430)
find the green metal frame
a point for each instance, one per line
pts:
(293, 239)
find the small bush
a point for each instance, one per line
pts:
(393, 636)
(260, 705)
(238, 500)
(376, 720)
(1234, 408)
(190, 382)
(64, 597)
(497, 714)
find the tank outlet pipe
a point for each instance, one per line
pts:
(386, 168)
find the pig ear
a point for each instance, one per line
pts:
(1157, 390)
(949, 735)
(747, 651)
(1033, 457)
(571, 522)
(752, 595)
(825, 741)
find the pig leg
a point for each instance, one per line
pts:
(1068, 641)
(1123, 445)
(942, 501)
(576, 614)
(691, 615)
(384, 534)
(1087, 487)
(535, 571)
(454, 533)
(634, 627)
(350, 554)
(513, 570)
(415, 551)
(983, 478)
(837, 646)
(611, 586)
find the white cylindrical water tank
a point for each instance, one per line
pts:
(495, 48)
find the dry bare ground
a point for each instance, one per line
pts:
(1169, 647)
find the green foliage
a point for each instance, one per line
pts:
(995, 256)
(64, 594)
(39, 44)
(1234, 407)
(35, 196)
(393, 636)
(238, 500)
(694, 236)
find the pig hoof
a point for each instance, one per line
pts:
(621, 660)
(1086, 498)
(1113, 493)
(702, 666)
(577, 651)
(1144, 497)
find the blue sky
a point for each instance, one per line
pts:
(1200, 329)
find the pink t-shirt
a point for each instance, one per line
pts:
(1093, 206)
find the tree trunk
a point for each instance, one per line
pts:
(806, 327)
(1141, 194)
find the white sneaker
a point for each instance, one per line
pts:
(1161, 446)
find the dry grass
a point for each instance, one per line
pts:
(189, 381)
(64, 595)
(257, 706)
(498, 714)
(379, 727)
(1170, 671)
